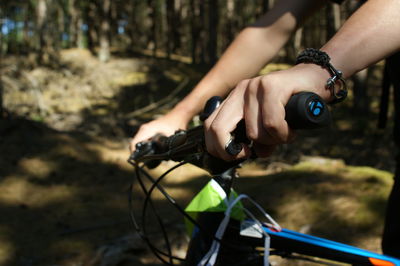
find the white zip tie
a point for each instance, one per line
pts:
(211, 257)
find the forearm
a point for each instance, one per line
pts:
(253, 48)
(243, 59)
(369, 35)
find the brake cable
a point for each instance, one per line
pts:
(142, 232)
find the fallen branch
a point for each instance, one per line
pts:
(163, 102)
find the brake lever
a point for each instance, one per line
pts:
(147, 149)
(183, 144)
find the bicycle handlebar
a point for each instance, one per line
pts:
(305, 110)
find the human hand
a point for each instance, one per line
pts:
(261, 103)
(165, 125)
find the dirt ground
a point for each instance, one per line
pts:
(64, 178)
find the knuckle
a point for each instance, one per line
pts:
(267, 82)
(207, 124)
(271, 127)
(215, 126)
(244, 83)
(143, 127)
(253, 86)
(252, 133)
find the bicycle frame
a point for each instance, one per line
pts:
(189, 147)
(304, 244)
(284, 242)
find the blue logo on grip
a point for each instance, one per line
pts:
(316, 107)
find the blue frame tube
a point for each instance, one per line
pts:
(319, 247)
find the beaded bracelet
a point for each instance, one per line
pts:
(318, 57)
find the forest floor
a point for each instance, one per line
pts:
(64, 179)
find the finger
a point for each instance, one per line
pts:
(208, 130)
(220, 125)
(273, 117)
(253, 113)
(145, 133)
(218, 134)
(132, 145)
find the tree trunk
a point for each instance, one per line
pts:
(60, 25)
(41, 11)
(298, 37)
(137, 28)
(73, 25)
(153, 18)
(92, 36)
(104, 53)
(361, 101)
(27, 19)
(230, 23)
(76, 32)
(265, 5)
(333, 19)
(203, 32)
(360, 79)
(1, 56)
(176, 31)
(113, 22)
(194, 30)
(173, 19)
(132, 27)
(213, 16)
(80, 36)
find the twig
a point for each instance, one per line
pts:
(160, 103)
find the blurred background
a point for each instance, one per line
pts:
(77, 79)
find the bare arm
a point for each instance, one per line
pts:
(252, 49)
(370, 34)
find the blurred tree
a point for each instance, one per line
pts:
(153, 17)
(213, 20)
(1, 57)
(333, 20)
(41, 10)
(73, 23)
(360, 80)
(91, 20)
(174, 25)
(104, 53)
(195, 29)
(265, 5)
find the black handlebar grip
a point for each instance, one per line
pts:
(304, 110)
(212, 104)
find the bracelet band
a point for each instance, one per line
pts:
(318, 57)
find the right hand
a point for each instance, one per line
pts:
(261, 103)
(165, 125)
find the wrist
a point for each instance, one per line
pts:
(181, 113)
(314, 79)
(335, 83)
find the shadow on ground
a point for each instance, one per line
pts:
(62, 196)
